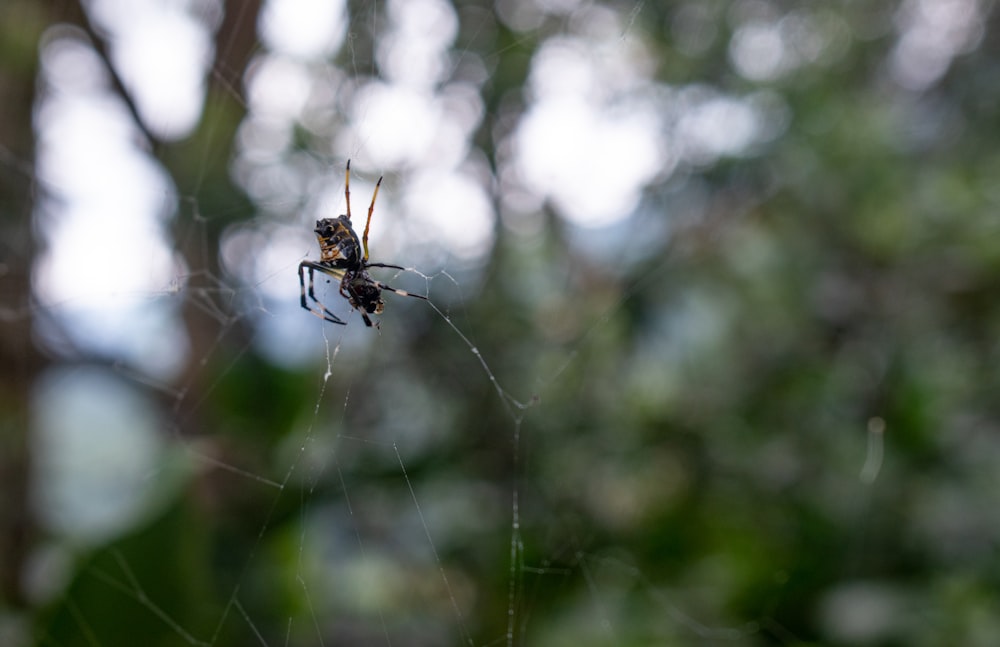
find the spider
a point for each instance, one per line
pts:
(341, 257)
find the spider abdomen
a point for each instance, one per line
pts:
(338, 243)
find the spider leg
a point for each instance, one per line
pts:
(395, 267)
(368, 223)
(322, 312)
(403, 293)
(347, 188)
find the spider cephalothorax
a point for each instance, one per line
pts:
(345, 257)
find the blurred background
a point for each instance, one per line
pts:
(709, 357)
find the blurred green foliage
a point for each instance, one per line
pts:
(688, 465)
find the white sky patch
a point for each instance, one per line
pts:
(598, 128)
(591, 163)
(415, 51)
(454, 209)
(592, 138)
(409, 119)
(758, 51)
(932, 33)
(395, 124)
(599, 70)
(399, 126)
(278, 88)
(307, 29)
(161, 50)
(714, 126)
(106, 256)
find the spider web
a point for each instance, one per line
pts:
(359, 493)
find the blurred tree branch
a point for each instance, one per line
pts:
(21, 24)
